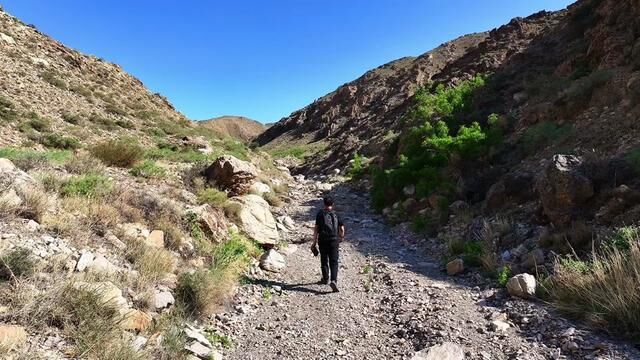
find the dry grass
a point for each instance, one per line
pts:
(152, 264)
(273, 199)
(78, 217)
(84, 164)
(35, 204)
(603, 292)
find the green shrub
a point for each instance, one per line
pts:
(543, 134)
(148, 169)
(235, 148)
(624, 237)
(503, 275)
(35, 122)
(114, 109)
(582, 89)
(16, 263)
(7, 111)
(213, 197)
(90, 185)
(358, 166)
(473, 252)
(174, 154)
(74, 119)
(216, 338)
(59, 142)
(119, 153)
(104, 122)
(297, 152)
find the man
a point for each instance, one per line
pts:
(328, 232)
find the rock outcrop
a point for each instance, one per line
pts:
(232, 175)
(256, 220)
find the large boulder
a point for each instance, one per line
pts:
(563, 188)
(255, 219)
(231, 174)
(14, 183)
(212, 221)
(444, 351)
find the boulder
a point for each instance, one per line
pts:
(12, 336)
(85, 260)
(155, 239)
(14, 183)
(522, 286)
(231, 174)
(455, 267)
(108, 292)
(162, 299)
(499, 326)
(255, 219)
(212, 221)
(444, 351)
(272, 261)
(512, 189)
(563, 188)
(100, 265)
(259, 188)
(135, 320)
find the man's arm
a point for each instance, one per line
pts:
(341, 232)
(315, 236)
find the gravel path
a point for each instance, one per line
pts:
(394, 301)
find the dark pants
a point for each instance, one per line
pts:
(329, 258)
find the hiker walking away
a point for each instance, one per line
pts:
(327, 234)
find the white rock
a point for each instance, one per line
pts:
(256, 220)
(272, 261)
(522, 285)
(499, 325)
(101, 265)
(199, 350)
(162, 299)
(39, 61)
(194, 334)
(85, 260)
(33, 226)
(445, 351)
(7, 39)
(288, 249)
(139, 342)
(409, 190)
(259, 188)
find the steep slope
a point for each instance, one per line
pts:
(47, 88)
(237, 127)
(364, 115)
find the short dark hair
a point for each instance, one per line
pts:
(328, 201)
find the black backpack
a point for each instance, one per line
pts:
(329, 227)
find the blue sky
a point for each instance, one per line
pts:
(259, 58)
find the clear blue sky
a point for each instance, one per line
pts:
(259, 58)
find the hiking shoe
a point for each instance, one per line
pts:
(323, 282)
(334, 286)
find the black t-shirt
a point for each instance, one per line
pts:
(320, 222)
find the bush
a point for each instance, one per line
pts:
(84, 164)
(90, 185)
(30, 159)
(7, 111)
(74, 119)
(543, 134)
(35, 122)
(152, 264)
(273, 199)
(148, 169)
(358, 166)
(52, 78)
(16, 264)
(59, 142)
(35, 204)
(603, 292)
(503, 275)
(213, 197)
(119, 153)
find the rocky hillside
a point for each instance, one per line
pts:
(237, 127)
(364, 115)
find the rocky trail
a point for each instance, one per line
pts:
(395, 300)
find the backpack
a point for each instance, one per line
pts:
(329, 228)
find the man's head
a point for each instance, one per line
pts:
(328, 201)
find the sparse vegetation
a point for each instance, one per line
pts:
(148, 169)
(53, 78)
(71, 118)
(273, 199)
(120, 153)
(543, 134)
(15, 264)
(84, 164)
(57, 141)
(213, 197)
(89, 185)
(29, 159)
(7, 111)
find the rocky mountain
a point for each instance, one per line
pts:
(363, 115)
(238, 127)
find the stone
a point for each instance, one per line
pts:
(212, 221)
(499, 325)
(162, 299)
(256, 220)
(108, 292)
(259, 188)
(522, 286)
(231, 174)
(135, 320)
(409, 190)
(101, 265)
(155, 239)
(444, 351)
(14, 183)
(288, 249)
(139, 342)
(113, 240)
(323, 186)
(272, 261)
(85, 260)
(199, 350)
(7, 39)
(194, 334)
(563, 188)
(12, 336)
(455, 267)
(33, 226)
